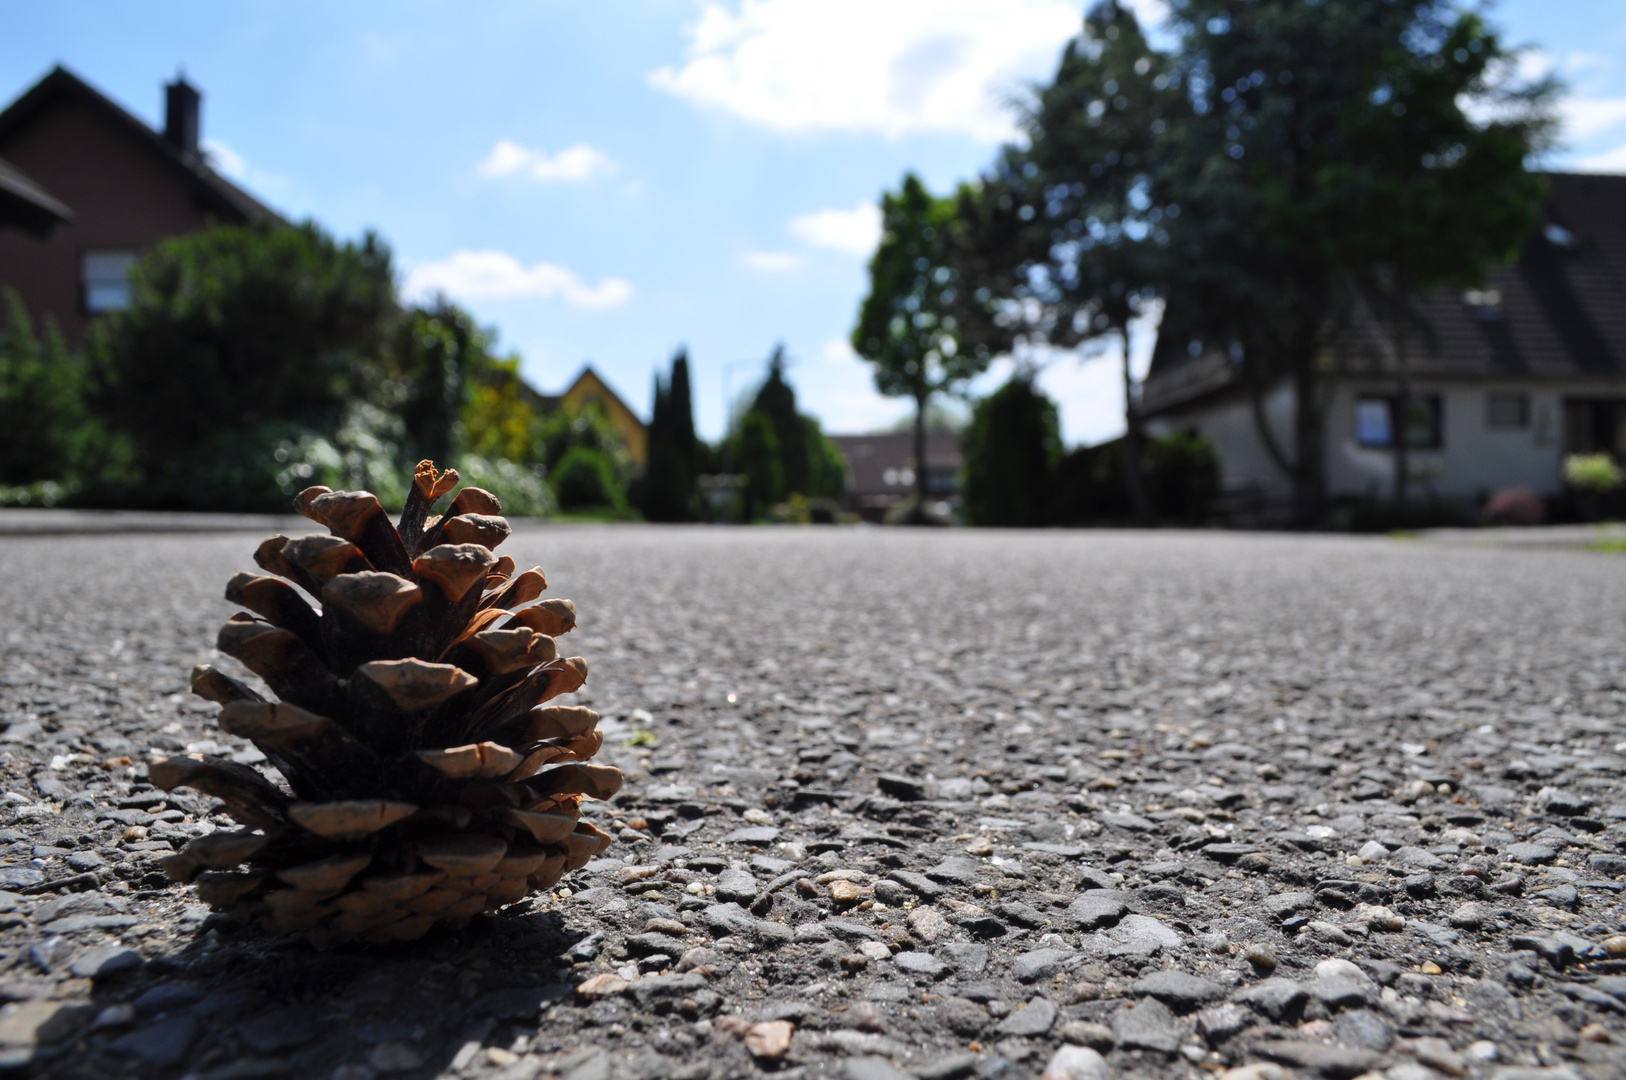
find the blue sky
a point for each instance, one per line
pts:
(609, 181)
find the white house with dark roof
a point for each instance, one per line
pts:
(1520, 373)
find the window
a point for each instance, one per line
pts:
(1507, 411)
(1375, 426)
(1484, 304)
(1372, 427)
(105, 279)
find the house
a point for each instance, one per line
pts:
(115, 187)
(1518, 374)
(881, 470)
(26, 206)
(589, 388)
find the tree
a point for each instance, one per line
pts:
(1011, 450)
(497, 420)
(909, 326)
(756, 449)
(777, 401)
(449, 388)
(237, 327)
(1338, 154)
(1070, 232)
(42, 410)
(826, 467)
(671, 491)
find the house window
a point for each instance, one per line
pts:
(105, 278)
(1375, 421)
(1507, 411)
(1372, 426)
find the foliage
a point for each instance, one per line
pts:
(1340, 153)
(670, 491)
(804, 462)
(1285, 166)
(1181, 476)
(447, 388)
(1592, 473)
(1180, 473)
(233, 328)
(523, 491)
(826, 467)
(567, 428)
(1010, 452)
(777, 401)
(49, 435)
(498, 421)
(909, 325)
(585, 478)
(261, 468)
(756, 452)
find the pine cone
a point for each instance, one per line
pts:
(429, 777)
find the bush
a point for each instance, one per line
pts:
(1011, 450)
(1182, 477)
(1385, 516)
(524, 492)
(231, 329)
(585, 479)
(49, 435)
(1180, 471)
(1596, 473)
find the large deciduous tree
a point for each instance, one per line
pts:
(1338, 154)
(1070, 230)
(910, 324)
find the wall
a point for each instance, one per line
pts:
(124, 196)
(1473, 460)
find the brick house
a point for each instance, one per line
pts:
(116, 187)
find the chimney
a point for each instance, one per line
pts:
(181, 115)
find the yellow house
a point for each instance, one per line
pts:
(588, 388)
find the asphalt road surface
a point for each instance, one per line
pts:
(929, 804)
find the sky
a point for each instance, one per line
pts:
(609, 182)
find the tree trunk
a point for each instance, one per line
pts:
(1132, 440)
(1397, 424)
(920, 458)
(1309, 479)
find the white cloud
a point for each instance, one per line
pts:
(771, 262)
(574, 163)
(224, 160)
(857, 65)
(854, 231)
(839, 388)
(235, 167)
(1610, 161)
(1585, 117)
(497, 275)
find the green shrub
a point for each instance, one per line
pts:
(1181, 475)
(585, 479)
(523, 491)
(1011, 450)
(1592, 472)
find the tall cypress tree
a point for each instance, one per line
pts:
(669, 480)
(777, 401)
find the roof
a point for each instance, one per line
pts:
(27, 206)
(869, 456)
(594, 382)
(214, 190)
(1557, 313)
